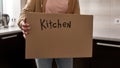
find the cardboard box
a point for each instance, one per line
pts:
(59, 36)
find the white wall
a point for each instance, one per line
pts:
(0, 9)
(105, 12)
(13, 8)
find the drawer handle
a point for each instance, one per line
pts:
(107, 44)
(8, 37)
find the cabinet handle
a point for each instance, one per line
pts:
(8, 37)
(107, 44)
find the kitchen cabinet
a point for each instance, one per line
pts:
(12, 51)
(106, 54)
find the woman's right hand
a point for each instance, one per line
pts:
(25, 28)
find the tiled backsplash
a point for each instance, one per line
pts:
(105, 12)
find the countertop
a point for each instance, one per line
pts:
(113, 38)
(9, 30)
(106, 36)
(101, 36)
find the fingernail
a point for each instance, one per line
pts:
(29, 28)
(27, 24)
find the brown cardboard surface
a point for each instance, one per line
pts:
(59, 36)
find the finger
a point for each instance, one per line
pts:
(25, 20)
(25, 33)
(24, 36)
(25, 25)
(25, 29)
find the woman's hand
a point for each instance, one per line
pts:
(25, 27)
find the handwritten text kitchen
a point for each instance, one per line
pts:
(49, 24)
